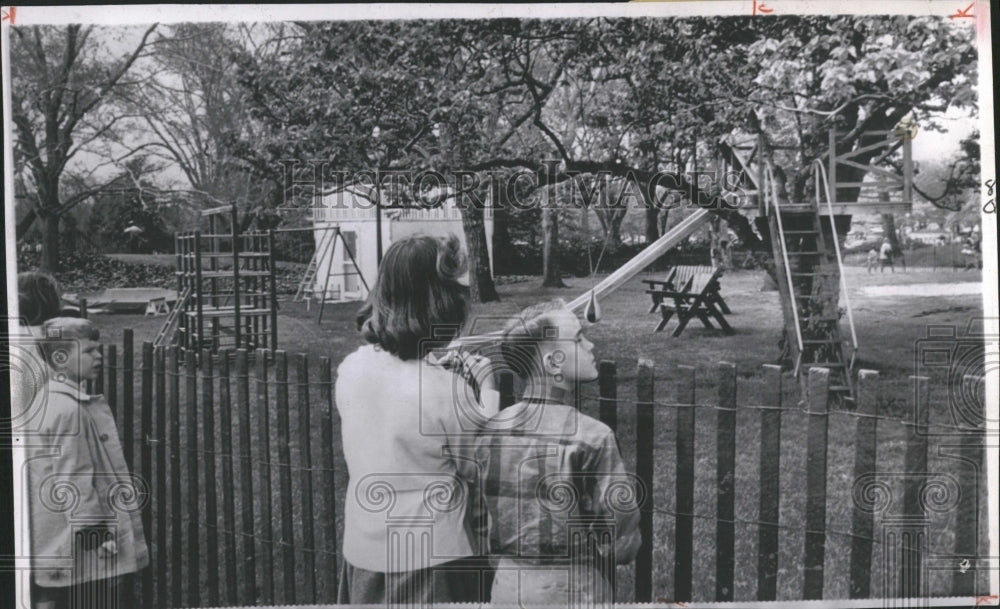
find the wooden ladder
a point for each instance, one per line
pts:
(307, 287)
(807, 270)
(166, 333)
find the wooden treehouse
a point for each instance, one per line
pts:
(806, 236)
(226, 288)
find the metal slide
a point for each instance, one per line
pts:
(643, 259)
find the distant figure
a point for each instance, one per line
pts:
(885, 257)
(872, 259)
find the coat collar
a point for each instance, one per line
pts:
(70, 388)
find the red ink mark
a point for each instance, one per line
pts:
(664, 601)
(9, 15)
(986, 600)
(964, 13)
(761, 8)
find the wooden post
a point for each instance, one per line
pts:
(911, 584)
(770, 472)
(818, 396)
(264, 479)
(83, 308)
(112, 385)
(146, 463)
(865, 465)
(305, 483)
(160, 495)
(192, 551)
(176, 507)
(972, 477)
(684, 493)
(285, 479)
(645, 439)
(228, 500)
(832, 166)
(328, 495)
(248, 568)
(506, 389)
(725, 484)
(208, 442)
(237, 325)
(128, 403)
(99, 381)
(198, 294)
(272, 299)
(607, 381)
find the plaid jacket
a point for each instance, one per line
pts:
(554, 486)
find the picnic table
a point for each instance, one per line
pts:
(687, 293)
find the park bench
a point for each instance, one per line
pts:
(698, 296)
(676, 278)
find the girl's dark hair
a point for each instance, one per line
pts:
(417, 296)
(37, 297)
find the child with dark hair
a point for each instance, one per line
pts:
(37, 301)
(408, 426)
(562, 509)
(37, 298)
(77, 450)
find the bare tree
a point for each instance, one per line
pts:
(62, 82)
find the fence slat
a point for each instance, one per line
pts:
(971, 477)
(264, 479)
(160, 494)
(506, 388)
(684, 494)
(725, 480)
(228, 505)
(817, 399)
(248, 566)
(210, 455)
(193, 548)
(285, 479)
(127, 423)
(128, 399)
(112, 387)
(176, 507)
(865, 464)
(328, 493)
(99, 382)
(770, 469)
(607, 382)
(305, 482)
(915, 466)
(644, 468)
(146, 461)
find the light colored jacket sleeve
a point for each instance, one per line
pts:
(614, 497)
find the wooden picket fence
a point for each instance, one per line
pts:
(219, 535)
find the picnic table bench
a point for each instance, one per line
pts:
(689, 292)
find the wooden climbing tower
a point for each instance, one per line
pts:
(805, 238)
(226, 286)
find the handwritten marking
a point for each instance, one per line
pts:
(963, 565)
(991, 205)
(761, 8)
(9, 15)
(986, 600)
(963, 13)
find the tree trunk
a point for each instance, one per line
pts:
(50, 242)
(652, 224)
(551, 277)
(481, 284)
(889, 230)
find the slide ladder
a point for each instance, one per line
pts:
(166, 333)
(807, 270)
(307, 287)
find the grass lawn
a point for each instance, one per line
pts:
(888, 330)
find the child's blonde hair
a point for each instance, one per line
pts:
(61, 333)
(524, 332)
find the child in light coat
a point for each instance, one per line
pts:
(83, 504)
